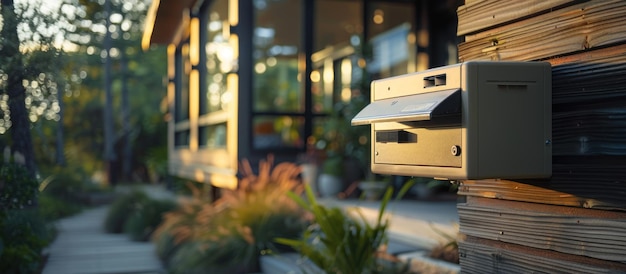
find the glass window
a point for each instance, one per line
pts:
(391, 32)
(276, 85)
(183, 69)
(337, 51)
(278, 132)
(338, 62)
(278, 104)
(219, 59)
(213, 136)
(277, 36)
(181, 138)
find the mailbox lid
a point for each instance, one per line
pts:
(418, 107)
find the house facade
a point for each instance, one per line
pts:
(251, 78)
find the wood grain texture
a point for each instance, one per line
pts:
(483, 14)
(487, 256)
(571, 29)
(576, 231)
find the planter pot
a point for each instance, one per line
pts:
(309, 176)
(329, 185)
(422, 191)
(373, 190)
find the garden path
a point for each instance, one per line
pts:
(82, 246)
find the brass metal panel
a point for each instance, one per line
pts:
(431, 148)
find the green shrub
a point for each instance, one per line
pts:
(146, 217)
(229, 235)
(229, 255)
(338, 242)
(23, 234)
(70, 184)
(121, 209)
(165, 246)
(18, 189)
(54, 208)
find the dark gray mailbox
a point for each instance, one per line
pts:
(473, 120)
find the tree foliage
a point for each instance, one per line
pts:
(28, 72)
(60, 49)
(138, 121)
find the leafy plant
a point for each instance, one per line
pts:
(53, 208)
(23, 231)
(447, 250)
(23, 234)
(333, 165)
(341, 243)
(18, 189)
(121, 210)
(229, 234)
(145, 218)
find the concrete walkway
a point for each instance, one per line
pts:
(82, 246)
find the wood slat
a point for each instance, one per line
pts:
(589, 95)
(590, 76)
(571, 29)
(488, 256)
(597, 182)
(576, 231)
(600, 131)
(574, 222)
(479, 15)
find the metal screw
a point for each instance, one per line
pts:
(455, 150)
(548, 142)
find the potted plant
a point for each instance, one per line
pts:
(345, 242)
(330, 181)
(373, 187)
(425, 188)
(346, 147)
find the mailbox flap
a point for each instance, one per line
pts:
(418, 107)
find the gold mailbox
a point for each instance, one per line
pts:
(473, 120)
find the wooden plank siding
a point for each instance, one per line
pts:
(575, 221)
(593, 233)
(575, 28)
(479, 255)
(479, 15)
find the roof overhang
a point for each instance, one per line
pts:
(164, 21)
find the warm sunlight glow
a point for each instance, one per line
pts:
(379, 17)
(346, 94)
(234, 44)
(233, 12)
(194, 41)
(194, 105)
(260, 68)
(328, 77)
(171, 64)
(232, 84)
(346, 71)
(315, 76)
(149, 25)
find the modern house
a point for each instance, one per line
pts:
(252, 77)
(249, 78)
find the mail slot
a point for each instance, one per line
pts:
(473, 120)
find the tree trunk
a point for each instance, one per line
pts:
(109, 136)
(60, 143)
(9, 53)
(127, 151)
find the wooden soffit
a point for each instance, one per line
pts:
(164, 21)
